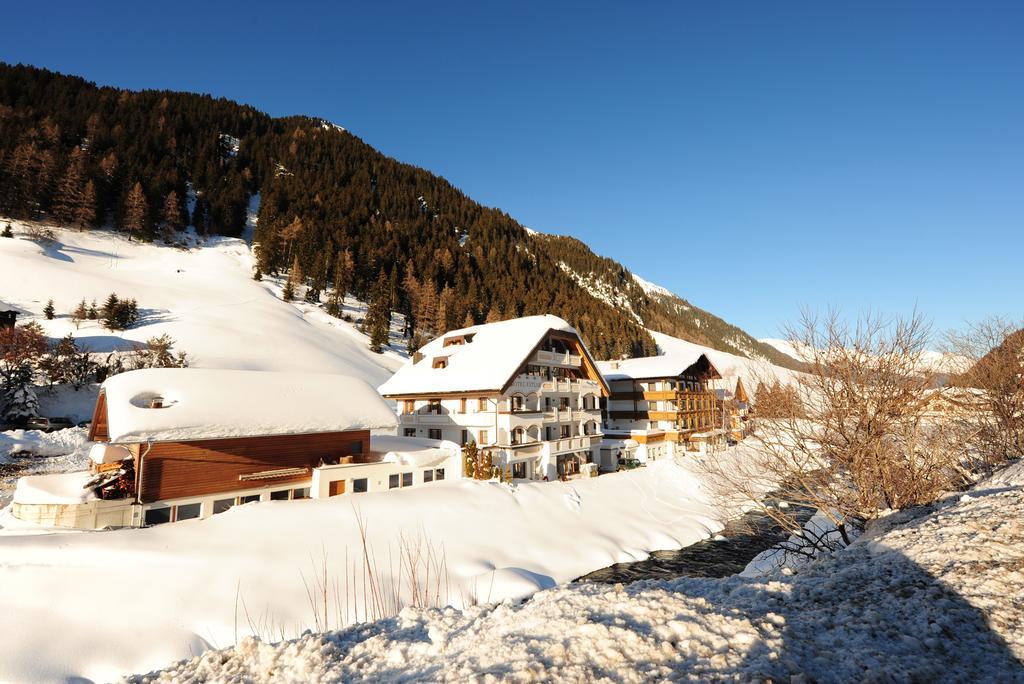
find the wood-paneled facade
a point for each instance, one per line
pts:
(178, 469)
(172, 470)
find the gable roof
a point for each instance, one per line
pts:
(206, 403)
(485, 364)
(651, 367)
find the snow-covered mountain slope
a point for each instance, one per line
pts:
(731, 366)
(204, 297)
(934, 361)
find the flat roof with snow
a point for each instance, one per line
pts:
(204, 403)
(413, 451)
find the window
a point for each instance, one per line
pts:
(563, 402)
(300, 493)
(359, 485)
(409, 406)
(481, 404)
(465, 437)
(440, 362)
(517, 436)
(158, 516)
(462, 405)
(221, 505)
(565, 431)
(409, 432)
(439, 474)
(434, 433)
(434, 406)
(407, 479)
(519, 470)
(428, 475)
(250, 498)
(394, 481)
(187, 511)
(518, 402)
(336, 488)
(280, 495)
(483, 437)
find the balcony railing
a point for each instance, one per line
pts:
(558, 358)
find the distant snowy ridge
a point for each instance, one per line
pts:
(650, 288)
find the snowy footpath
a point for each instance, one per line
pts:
(932, 595)
(98, 605)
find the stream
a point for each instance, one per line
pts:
(725, 554)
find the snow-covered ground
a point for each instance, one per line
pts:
(204, 297)
(936, 598)
(101, 604)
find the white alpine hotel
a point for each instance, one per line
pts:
(526, 390)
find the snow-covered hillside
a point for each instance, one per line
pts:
(204, 297)
(731, 366)
(99, 605)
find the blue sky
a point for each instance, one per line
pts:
(753, 157)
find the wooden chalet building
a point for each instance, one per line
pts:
(658, 406)
(526, 390)
(174, 444)
(734, 406)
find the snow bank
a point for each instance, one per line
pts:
(56, 488)
(937, 599)
(42, 443)
(215, 404)
(179, 597)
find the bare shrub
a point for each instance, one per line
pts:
(987, 401)
(854, 435)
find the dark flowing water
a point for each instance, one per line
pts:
(744, 538)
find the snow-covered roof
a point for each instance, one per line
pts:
(104, 454)
(413, 451)
(484, 363)
(205, 403)
(645, 367)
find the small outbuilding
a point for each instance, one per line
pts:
(180, 443)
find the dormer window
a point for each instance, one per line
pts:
(459, 339)
(440, 362)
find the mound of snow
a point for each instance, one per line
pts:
(186, 587)
(937, 599)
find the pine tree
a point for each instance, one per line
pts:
(172, 213)
(136, 212)
(80, 313)
(378, 314)
(493, 315)
(7, 233)
(85, 214)
(470, 460)
(468, 321)
(342, 279)
(48, 310)
(93, 313)
(295, 276)
(68, 198)
(288, 292)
